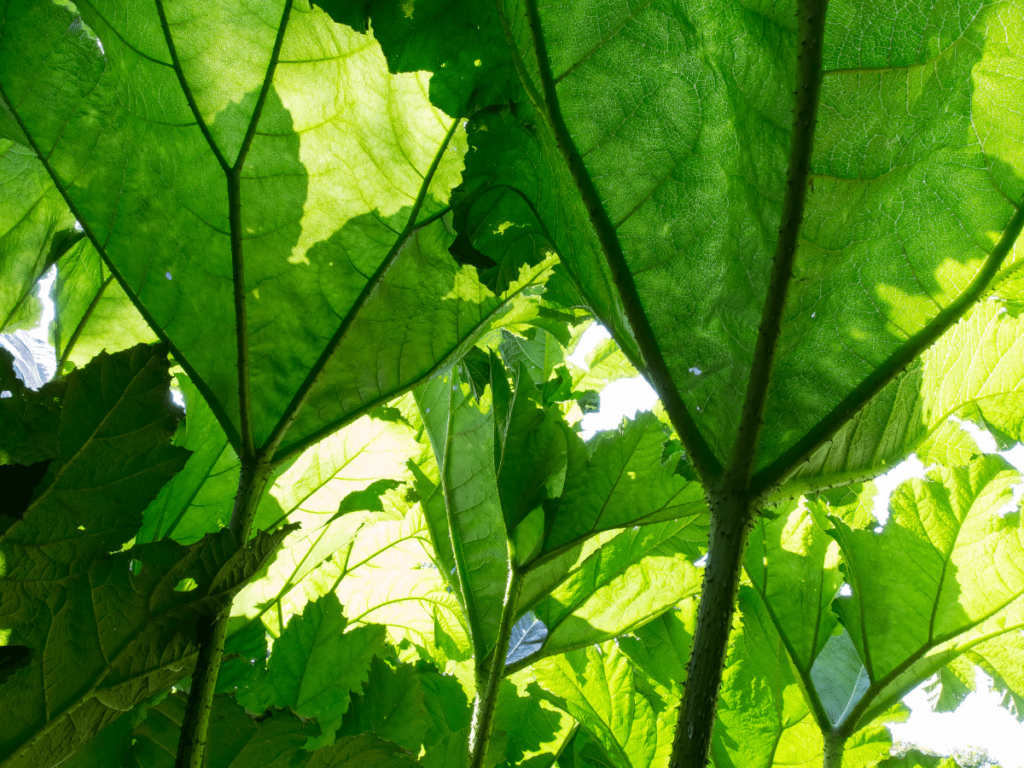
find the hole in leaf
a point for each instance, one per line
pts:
(186, 585)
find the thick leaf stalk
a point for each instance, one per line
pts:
(196, 723)
(730, 529)
(489, 674)
(213, 631)
(835, 742)
(732, 501)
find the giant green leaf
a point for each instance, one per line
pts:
(623, 481)
(942, 577)
(720, 145)
(235, 147)
(656, 137)
(35, 227)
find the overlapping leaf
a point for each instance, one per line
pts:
(529, 729)
(35, 228)
(410, 704)
(462, 435)
(916, 759)
(385, 575)
(601, 688)
(623, 481)
(315, 665)
(662, 646)
(582, 596)
(793, 565)
(942, 577)
(973, 373)
(198, 500)
(106, 432)
(763, 718)
(91, 311)
(88, 633)
(622, 584)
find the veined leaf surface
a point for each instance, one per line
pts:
(655, 138)
(942, 577)
(232, 147)
(35, 228)
(90, 631)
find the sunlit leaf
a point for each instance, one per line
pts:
(35, 228)
(601, 688)
(184, 127)
(941, 577)
(91, 311)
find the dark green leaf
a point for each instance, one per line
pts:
(315, 665)
(236, 740)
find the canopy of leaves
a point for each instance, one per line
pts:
(369, 236)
